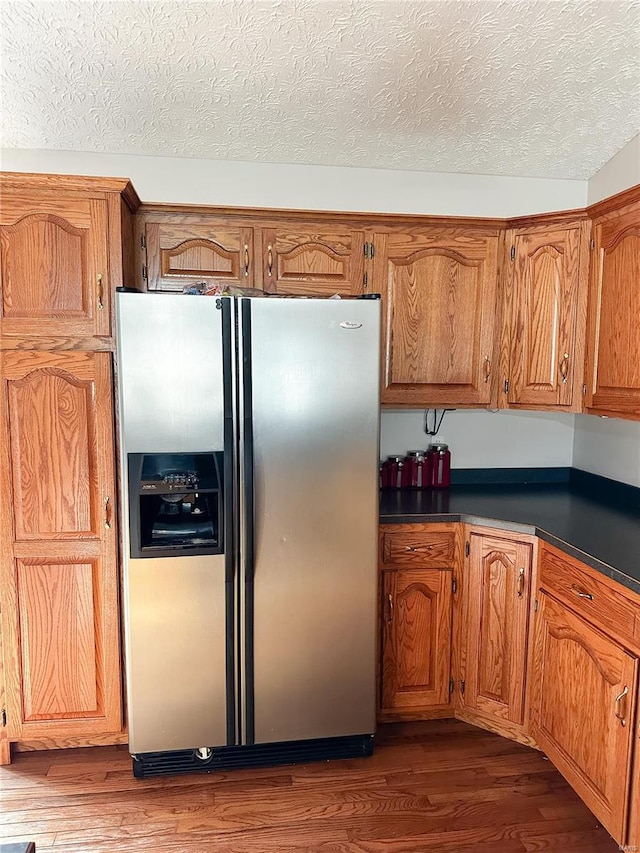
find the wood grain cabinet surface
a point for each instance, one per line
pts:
(545, 315)
(58, 572)
(66, 243)
(614, 315)
(438, 288)
(583, 709)
(495, 627)
(303, 258)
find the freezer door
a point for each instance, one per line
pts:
(311, 585)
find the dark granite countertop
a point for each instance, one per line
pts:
(591, 518)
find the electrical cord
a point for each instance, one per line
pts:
(436, 423)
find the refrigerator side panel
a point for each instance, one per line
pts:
(315, 405)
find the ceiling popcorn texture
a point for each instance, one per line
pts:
(538, 88)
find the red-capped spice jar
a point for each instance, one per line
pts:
(440, 458)
(392, 474)
(417, 470)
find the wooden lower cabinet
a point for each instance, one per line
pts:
(416, 641)
(583, 709)
(58, 567)
(495, 629)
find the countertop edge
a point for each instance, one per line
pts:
(516, 527)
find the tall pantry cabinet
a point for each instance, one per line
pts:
(66, 244)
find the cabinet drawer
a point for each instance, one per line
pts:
(430, 548)
(595, 600)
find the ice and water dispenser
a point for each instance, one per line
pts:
(175, 504)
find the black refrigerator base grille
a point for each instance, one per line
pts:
(148, 764)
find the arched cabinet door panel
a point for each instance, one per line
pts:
(54, 266)
(58, 576)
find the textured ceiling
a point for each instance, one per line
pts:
(546, 88)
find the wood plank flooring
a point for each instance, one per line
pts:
(438, 787)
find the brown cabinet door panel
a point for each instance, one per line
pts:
(181, 253)
(544, 295)
(614, 311)
(312, 261)
(583, 710)
(416, 651)
(54, 270)
(497, 595)
(438, 295)
(58, 575)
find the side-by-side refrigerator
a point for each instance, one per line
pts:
(249, 506)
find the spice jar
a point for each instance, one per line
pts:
(440, 460)
(417, 469)
(393, 472)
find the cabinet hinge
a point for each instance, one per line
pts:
(462, 686)
(506, 386)
(592, 244)
(365, 279)
(143, 242)
(451, 685)
(3, 718)
(513, 253)
(454, 585)
(467, 548)
(144, 271)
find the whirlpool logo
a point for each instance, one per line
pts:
(350, 324)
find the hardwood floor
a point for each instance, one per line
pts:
(439, 787)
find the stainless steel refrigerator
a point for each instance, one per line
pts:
(249, 505)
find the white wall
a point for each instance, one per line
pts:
(609, 447)
(619, 173)
(483, 439)
(190, 181)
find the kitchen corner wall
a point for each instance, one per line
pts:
(611, 446)
(485, 439)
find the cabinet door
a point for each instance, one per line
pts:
(583, 710)
(54, 275)
(60, 621)
(180, 254)
(546, 351)
(416, 642)
(614, 315)
(308, 260)
(439, 293)
(497, 594)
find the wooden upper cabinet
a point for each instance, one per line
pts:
(66, 244)
(583, 710)
(614, 315)
(58, 573)
(180, 253)
(545, 307)
(439, 302)
(312, 260)
(54, 270)
(497, 591)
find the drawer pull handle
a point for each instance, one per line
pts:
(246, 259)
(621, 716)
(270, 259)
(564, 368)
(107, 512)
(390, 611)
(415, 549)
(487, 368)
(582, 594)
(520, 586)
